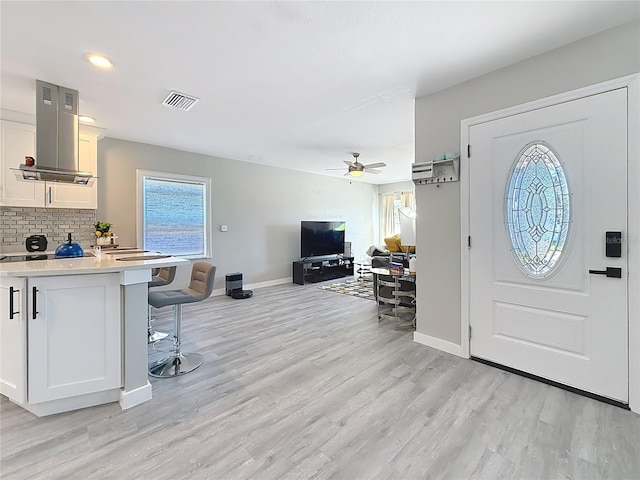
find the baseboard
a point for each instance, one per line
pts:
(269, 283)
(438, 344)
(72, 403)
(135, 397)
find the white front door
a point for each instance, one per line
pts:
(544, 188)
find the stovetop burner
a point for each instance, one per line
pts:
(35, 256)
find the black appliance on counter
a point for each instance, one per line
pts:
(36, 243)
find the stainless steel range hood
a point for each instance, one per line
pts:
(57, 137)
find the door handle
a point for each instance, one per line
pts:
(34, 313)
(612, 272)
(11, 312)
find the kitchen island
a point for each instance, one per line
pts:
(73, 331)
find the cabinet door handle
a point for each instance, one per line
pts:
(35, 303)
(11, 312)
(49, 195)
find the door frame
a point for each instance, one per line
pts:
(632, 83)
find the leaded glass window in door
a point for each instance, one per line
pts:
(537, 210)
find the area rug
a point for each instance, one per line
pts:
(362, 288)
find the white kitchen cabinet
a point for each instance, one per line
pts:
(74, 336)
(18, 141)
(13, 338)
(68, 332)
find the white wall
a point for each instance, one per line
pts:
(261, 205)
(407, 186)
(610, 54)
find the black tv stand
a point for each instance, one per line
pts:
(319, 269)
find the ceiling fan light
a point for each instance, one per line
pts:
(356, 173)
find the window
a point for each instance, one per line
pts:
(391, 203)
(173, 214)
(537, 210)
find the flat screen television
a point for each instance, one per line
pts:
(321, 238)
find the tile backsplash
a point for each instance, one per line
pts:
(17, 223)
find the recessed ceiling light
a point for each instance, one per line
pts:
(85, 119)
(99, 61)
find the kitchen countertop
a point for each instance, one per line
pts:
(107, 263)
(127, 325)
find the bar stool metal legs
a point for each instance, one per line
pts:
(153, 336)
(160, 277)
(178, 363)
(200, 288)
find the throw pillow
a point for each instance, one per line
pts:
(393, 243)
(400, 249)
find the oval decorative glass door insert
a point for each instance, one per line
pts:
(537, 210)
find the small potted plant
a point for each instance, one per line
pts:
(103, 233)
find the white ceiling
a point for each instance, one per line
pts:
(291, 84)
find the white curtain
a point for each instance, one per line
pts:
(387, 226)
(390, 221)
(408, 199)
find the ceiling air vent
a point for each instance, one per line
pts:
(180, 101)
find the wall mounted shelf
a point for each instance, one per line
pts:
(436, 171)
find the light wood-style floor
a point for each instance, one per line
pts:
(298, 383)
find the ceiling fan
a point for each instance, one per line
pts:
(356, 169)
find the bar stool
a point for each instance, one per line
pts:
(200, 288)
(159, 278)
